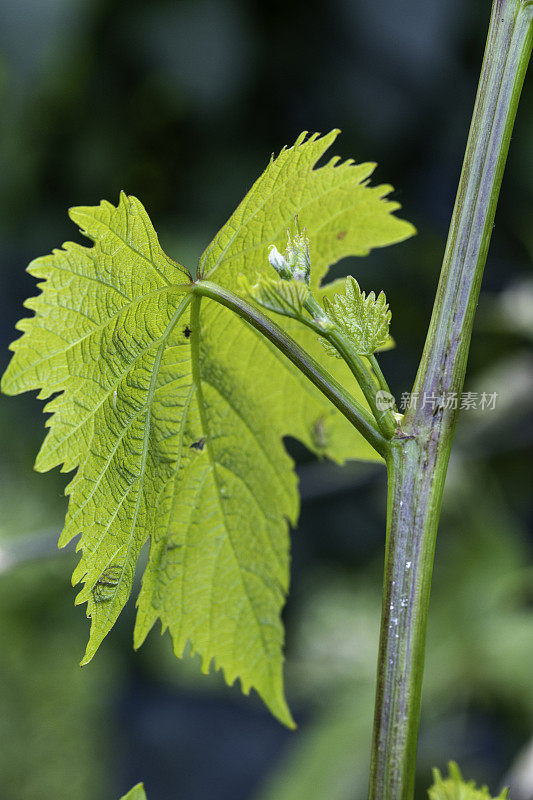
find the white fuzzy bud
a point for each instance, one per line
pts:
(279, 262)
(298, 256)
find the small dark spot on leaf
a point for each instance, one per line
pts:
(186, 331)
(341, 234)
(103, 589)
(319, 434)
(199, 445)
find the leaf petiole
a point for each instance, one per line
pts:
(341, 399)
(382, 381)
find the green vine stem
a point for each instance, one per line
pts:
(341, 399)
(419, 453)
(382, 381)
(384, 417)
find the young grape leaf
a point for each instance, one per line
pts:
(282, 296)
(172, 410)
(455, 788)
(364, 320)
(137, 793)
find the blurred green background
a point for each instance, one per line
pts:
(181, 103)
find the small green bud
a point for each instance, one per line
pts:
(295, 264)
(297, 255)
(279, 263)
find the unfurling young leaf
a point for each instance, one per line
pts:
(455, 788)
(286, 297)
(172, 411)
(364, 320)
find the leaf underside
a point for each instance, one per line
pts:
(172, 411)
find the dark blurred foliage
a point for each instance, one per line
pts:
(181, 103)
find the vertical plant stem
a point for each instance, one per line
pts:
(416, 478)
(420, 452)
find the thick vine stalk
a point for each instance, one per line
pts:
(419, 453)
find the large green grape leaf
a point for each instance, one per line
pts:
(172, 411)
(342, 214)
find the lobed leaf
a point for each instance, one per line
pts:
(172, 412)
(342, 214)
